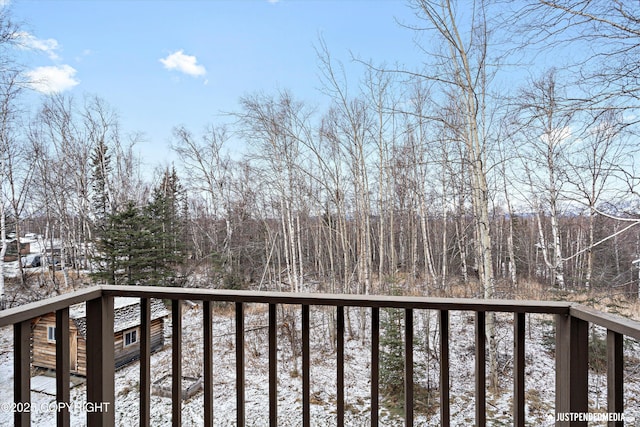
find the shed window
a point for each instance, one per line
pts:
(130, 337)
(51, 333)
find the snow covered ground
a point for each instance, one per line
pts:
(540, 373)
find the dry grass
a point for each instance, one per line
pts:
(600, 299)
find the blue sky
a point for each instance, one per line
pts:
(167, 63)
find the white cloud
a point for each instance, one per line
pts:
(556, 136)
(187, 64)
(31, 42)
(52, 79)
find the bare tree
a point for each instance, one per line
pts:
(351, 120)
(421, 99)
(380, 95)
(277, 129)
(9, 91)
(604, 147)
(546, 135)
(208, 170)
(16, 170)
(606, 33)
(462, 71)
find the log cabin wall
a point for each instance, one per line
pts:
(44, 350)
(125, 354)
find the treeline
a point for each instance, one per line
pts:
(421, 179)
(298, 212)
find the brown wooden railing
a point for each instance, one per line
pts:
(572, 324)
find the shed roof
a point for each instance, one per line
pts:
(126, 314)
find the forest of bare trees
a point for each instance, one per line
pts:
(412, 179)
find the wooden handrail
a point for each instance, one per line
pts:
(572, 322)
(346, 300)
(31, 310)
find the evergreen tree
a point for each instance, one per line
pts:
(101, 169)
(125, 248)
(167, 226)
(392, 355)
(392, 363)
(143, 245)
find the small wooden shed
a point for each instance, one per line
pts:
(12, 253)
(126, 334)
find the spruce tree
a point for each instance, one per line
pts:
(143, 245)
(392, 363)
(101, 169)
(125, 248)
(167, 227)
(392, 356)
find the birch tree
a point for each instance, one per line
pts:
(606, 33)
(276, 127)
(9, 91)
(546, 136)
(379, 89)
(461, 71)
(603, 148)
(351, 121)
(208, 170)
(17, 169)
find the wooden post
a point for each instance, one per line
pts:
(208, 362)
(375, 364)
(340, 364)
(408, 367)
(22, 373)
(145, 362)
(518, 369)
(176, 363)
(273, 365)
(240, 382)
(306, 357)
(572, 369)
(445, 410)
(615, 375)
(62, 366)
(100, 362)
(481, 370)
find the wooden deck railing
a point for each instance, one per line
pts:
(572, 322)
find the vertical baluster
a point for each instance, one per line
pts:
(572, 367)
(208, 362)
(273, 366)
(62, 366)
(145, 362)
(481, 370)
(518, 369)
(445, 411)
(408, 367)
(176, 363)
(615, 375)
(306, 408)
(340, 364)
(375, 364)
(100, 361)
(22, 372)
(563, 355)
(240, 382)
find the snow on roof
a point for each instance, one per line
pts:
(126, 313)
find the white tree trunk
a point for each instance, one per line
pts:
(3, 251)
